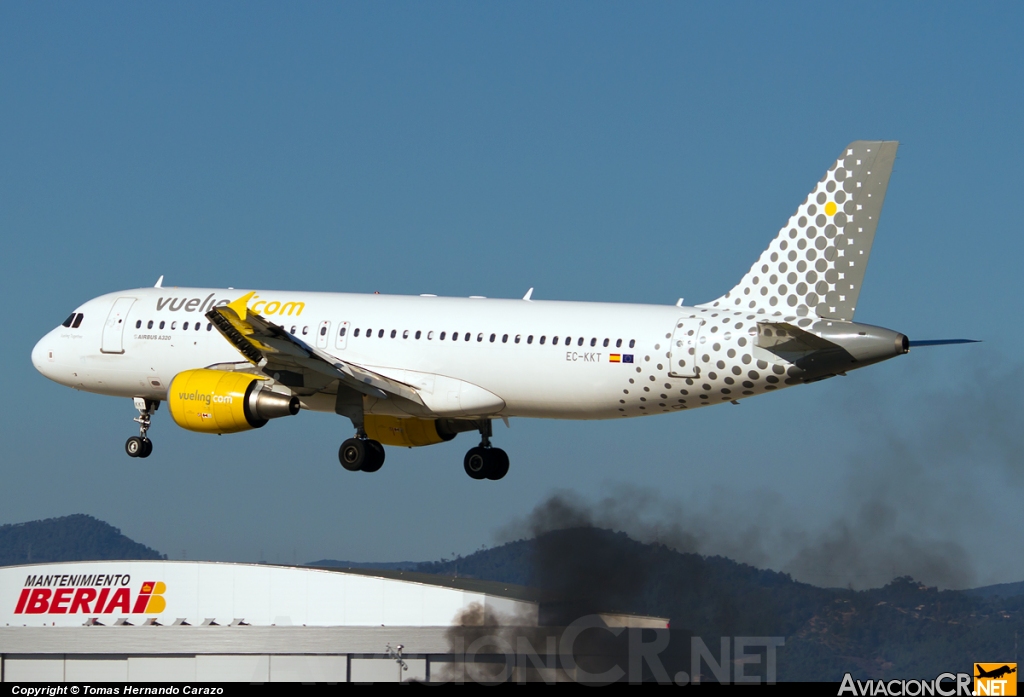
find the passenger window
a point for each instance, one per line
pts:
(554, 340)
(518, 336)
(78, 321)
(632, 343)
(580, 342)
(467, 336)
(442, 336)
(344, 330)
(394, 333)
(323, 331)
(185, 326)
(355, 333)
(305, 331)
(480, 337)
(369, 333)
(208, 326)
(529, 339)
(198, 324)
(149, 324)
(492, 337)
(430, 335)
(161, 324)
(138, 324)
(405, 334)
(504, 339)
(293, 330)
(618, 343)
(174, 325)
(455, 336)
(606, 343)
(593, 342)
(543, 338)
(68, 321)
(380, 333)
(418, 333)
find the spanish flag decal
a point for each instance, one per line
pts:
(620, 358)
(615, 358)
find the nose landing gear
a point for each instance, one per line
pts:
(140, 445)
(485, 461)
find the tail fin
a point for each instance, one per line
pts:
(816, 264)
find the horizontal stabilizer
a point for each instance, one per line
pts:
(783, 337)
(943, 342)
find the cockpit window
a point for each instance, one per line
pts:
(78, 321)
(68, 321)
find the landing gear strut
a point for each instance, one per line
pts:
(140, 445)
(484, 461)
(361, 454)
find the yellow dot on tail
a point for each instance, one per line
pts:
(830, 208)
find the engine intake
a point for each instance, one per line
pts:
(220, 401)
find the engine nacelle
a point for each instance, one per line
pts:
(220, 401)
(407, 433)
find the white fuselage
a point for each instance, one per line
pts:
(547, 359)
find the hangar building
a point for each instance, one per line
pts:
(177, 621)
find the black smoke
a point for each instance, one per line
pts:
(931, 502)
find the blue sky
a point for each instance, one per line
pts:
(603, 151)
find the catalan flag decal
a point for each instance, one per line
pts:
(620, 358)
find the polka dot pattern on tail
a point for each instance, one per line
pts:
(816, 264)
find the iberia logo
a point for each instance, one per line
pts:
(995, 679)
(99, 595)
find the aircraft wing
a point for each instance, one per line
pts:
(271, 348)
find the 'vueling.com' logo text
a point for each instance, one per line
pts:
(259, 307)
(197, 396)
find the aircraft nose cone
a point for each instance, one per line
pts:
(41, 356)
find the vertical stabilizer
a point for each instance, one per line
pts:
(816, 264)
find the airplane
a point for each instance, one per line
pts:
(418, 370)
(995, 672)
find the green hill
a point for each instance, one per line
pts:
(71, 538)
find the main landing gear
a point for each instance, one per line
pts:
(484, 461)
(360, 454)
(140, 445)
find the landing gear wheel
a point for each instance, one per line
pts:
(134, 447)
(498, 466)
(352, 454)
(140, 445)
(375, 459)
(476, 462)
(358, 454)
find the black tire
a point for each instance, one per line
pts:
(134, 447)
(352, 454)
(375, 456)
(498, 465)
(147, 448)
(477, 463)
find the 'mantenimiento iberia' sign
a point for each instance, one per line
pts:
(93, 594)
